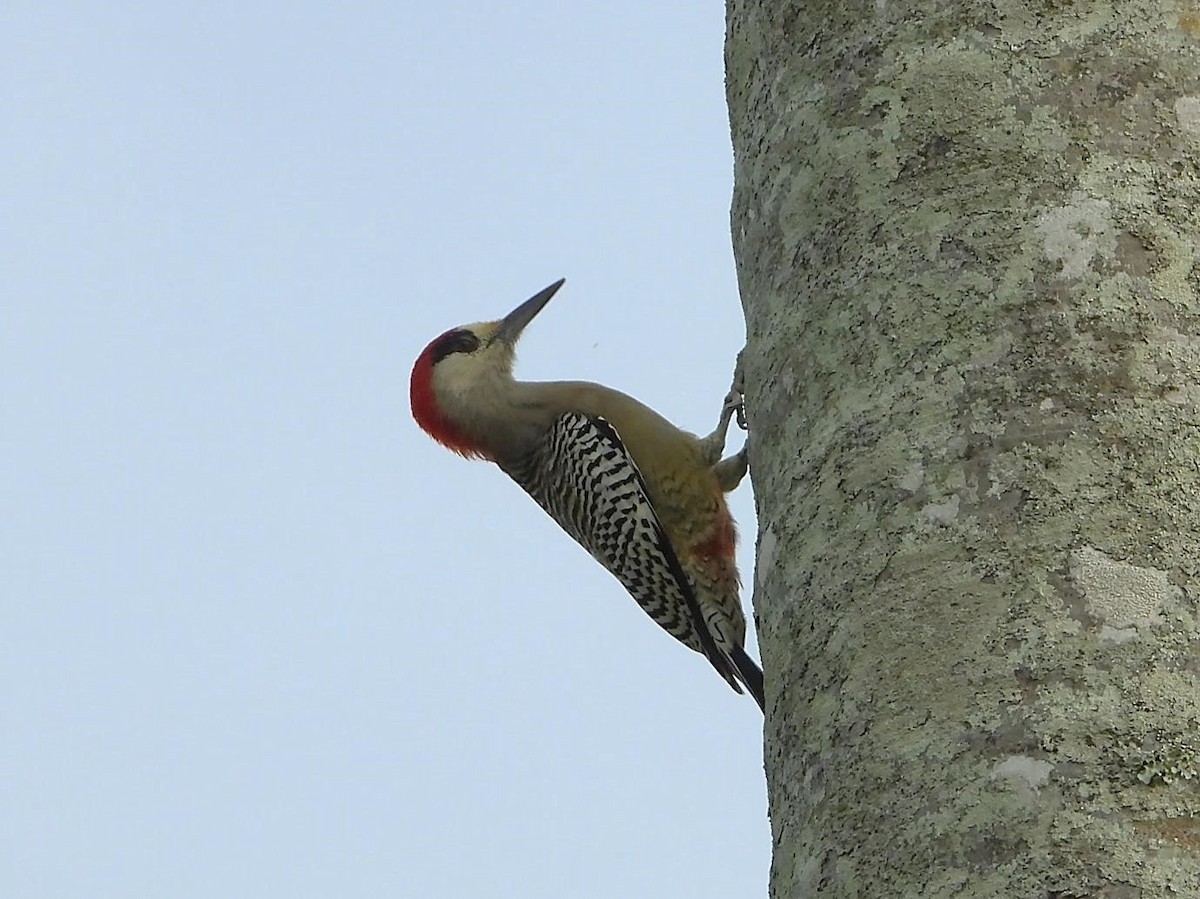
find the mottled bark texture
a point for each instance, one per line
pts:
(967, 237)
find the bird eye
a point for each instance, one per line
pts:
(455, 342)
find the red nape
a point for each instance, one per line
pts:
(427, 413)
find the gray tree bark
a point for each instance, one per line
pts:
(967, 237)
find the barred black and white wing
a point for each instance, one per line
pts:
(582, 474)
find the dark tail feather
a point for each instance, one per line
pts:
(750, 674)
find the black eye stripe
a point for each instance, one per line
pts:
(455, 342)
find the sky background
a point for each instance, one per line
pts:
(259, 636)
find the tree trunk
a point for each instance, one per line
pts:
(966, 235)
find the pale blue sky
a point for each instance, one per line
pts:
(258, 635)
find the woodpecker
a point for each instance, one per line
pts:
(644, 497)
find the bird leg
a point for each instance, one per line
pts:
(713, 446)
(730, 471)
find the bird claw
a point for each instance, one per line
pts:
(735, 408)
(737, 392)
(732, 408)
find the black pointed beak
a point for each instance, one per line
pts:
(514, 323)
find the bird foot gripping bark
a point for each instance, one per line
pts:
(737, 393)
(729, 471)
(713, 446)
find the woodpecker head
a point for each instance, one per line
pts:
(461, 376)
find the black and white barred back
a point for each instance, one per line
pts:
(583, 476)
